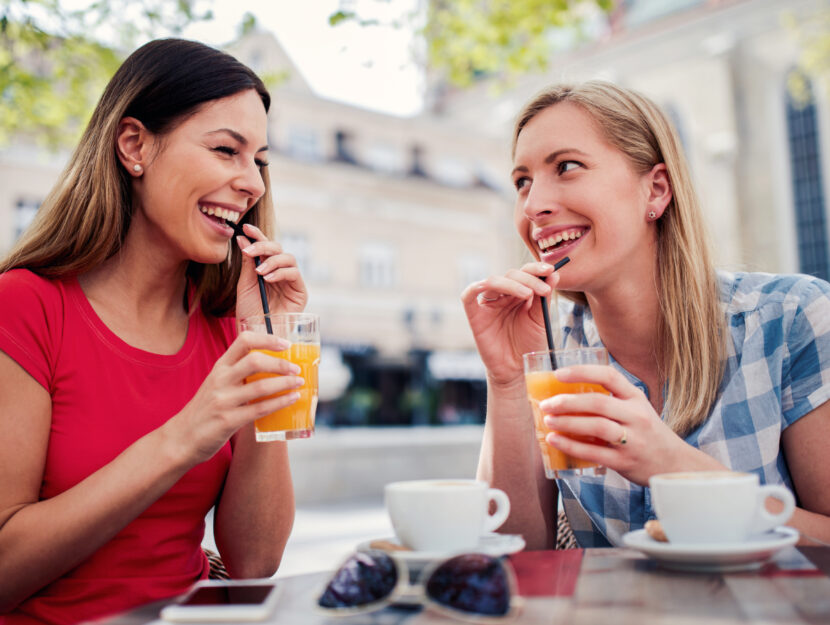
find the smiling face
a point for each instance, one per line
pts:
(204, 171)
(579, 196)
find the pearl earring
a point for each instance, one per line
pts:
(137, 168)
(652, 214)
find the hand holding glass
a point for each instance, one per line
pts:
(302, 330)
(542, 384)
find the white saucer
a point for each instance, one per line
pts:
(747, 555)
(491, 544)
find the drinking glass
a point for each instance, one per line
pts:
(302, 330)
(540, 378)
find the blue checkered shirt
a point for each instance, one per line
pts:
(777, 370)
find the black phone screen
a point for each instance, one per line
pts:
(229, 595)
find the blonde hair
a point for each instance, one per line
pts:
(692, 325)
(85, 218)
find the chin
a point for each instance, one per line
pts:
(210, 258)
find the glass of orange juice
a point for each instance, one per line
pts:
(302, 330)
(540, 378)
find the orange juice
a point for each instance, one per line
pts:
(540, 386)
(296, 420)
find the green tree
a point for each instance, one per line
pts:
(813, 38)
(469, 38)
(55, 61)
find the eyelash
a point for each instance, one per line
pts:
(560, 166)
(226, 149)
(520, 182)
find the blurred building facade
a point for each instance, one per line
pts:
(720, 68)
(390, 218)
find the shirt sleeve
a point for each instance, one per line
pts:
(30, 323)
(806, 372)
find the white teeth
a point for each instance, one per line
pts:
(567, 235)
(222, 213)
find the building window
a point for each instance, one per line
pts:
(384, 158)
(24, 213)
(638, 12)
(378, 265)
(471, 268)
(303, 144)
(297, 245)
(453, 172)
(808, 196)
(343, 149)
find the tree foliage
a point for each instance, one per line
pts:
(813, 38)
(55, 60)
(505, 38)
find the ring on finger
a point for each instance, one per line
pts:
(623, 438)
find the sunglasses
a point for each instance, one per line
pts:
(470, 586)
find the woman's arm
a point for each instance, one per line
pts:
(505, 317)
(255, 512)
(510, 459)
(42, 540)
(805, 447)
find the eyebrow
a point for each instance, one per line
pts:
(238, 137)
(550, 158)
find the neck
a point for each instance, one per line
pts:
(627, 315)
(139, 282)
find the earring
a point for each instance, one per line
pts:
(137, 168)
(652, 215)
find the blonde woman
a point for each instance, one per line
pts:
(709, 370)
(123, 407)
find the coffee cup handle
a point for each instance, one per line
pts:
(766, 520)
(495, 520)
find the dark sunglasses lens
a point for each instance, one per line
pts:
(473, 583)
(363, 579)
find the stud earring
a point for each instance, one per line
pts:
(137, 168)
(652, 215)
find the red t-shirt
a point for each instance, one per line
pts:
(106, 395)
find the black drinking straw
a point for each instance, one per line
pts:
(260, 280)
(546, 316)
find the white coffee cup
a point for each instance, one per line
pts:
(716, 506)
(444, 515)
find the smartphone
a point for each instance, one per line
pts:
(215, 600)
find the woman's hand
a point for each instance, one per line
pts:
(506, 319)
(285, 286)
(220, 406)
(639, 444)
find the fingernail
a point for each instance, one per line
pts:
(547, 266)
(293, 396)
(295, 369)
(298, 382)
(249, 249)
(260, 269)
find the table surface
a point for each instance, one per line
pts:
(606, 586)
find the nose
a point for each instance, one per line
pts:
(540, 201)
(250, 182)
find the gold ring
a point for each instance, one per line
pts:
(623, 439)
